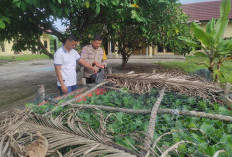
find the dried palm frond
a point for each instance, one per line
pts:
(37, 148)
(9, 123)
(74, 135)
(183, 84)
(174, 147)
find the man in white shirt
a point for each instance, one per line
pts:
(65, 60)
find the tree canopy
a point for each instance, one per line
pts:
(130, 24)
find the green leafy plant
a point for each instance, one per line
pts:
(4, 20)
(214, 46)
(208, 135)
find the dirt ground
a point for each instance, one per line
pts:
(19, 80)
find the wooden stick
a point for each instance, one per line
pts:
(160, 111)
(41, 93)
(83, 81)
(111, 88)
(84, 94)
(227, 89)
(56, 100)
(226, 100)
(109, 71)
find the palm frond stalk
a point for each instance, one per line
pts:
(152, 121)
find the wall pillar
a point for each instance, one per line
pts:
(141, 51)
(116, 50)
(147, 52)
(164, 50)
(156, 49)
(109, 49)
(150, 51)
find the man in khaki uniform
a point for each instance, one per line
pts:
(93, 54)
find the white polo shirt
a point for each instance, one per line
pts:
(67, 61)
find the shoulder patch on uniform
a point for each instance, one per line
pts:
(84, 49)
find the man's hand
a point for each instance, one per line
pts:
(94, 69)
(87, 65)
(102, 66)
(64, 89)
(99, 65)
(96, 64)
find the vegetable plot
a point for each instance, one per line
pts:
(121, 123)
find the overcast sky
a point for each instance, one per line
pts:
(62, 28)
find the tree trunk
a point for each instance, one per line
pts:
(124, 62)
(44, 49)
(124, 59)
(219, 65)
(211, 64)
(84, 94)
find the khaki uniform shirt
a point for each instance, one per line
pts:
(91, 55)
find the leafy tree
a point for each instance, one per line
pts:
(169, 23)
(130, 24)
(27, 21)
(146, 23)
(125, 30)
(214, 46)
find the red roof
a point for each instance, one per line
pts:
(203, 11)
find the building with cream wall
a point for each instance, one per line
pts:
(203, 12)
(6, 47)
(228, 31)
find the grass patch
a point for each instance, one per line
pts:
(24, 57)
(193, 63)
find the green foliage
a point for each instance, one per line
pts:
(130, 24)
(213, 135)
(2, 45)
(4, 20)
(194, 63)
(24, 57)
(121, 123)
(215, 47)
(27, 21)
(56, 109)
(223, 20)
(151, 22)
